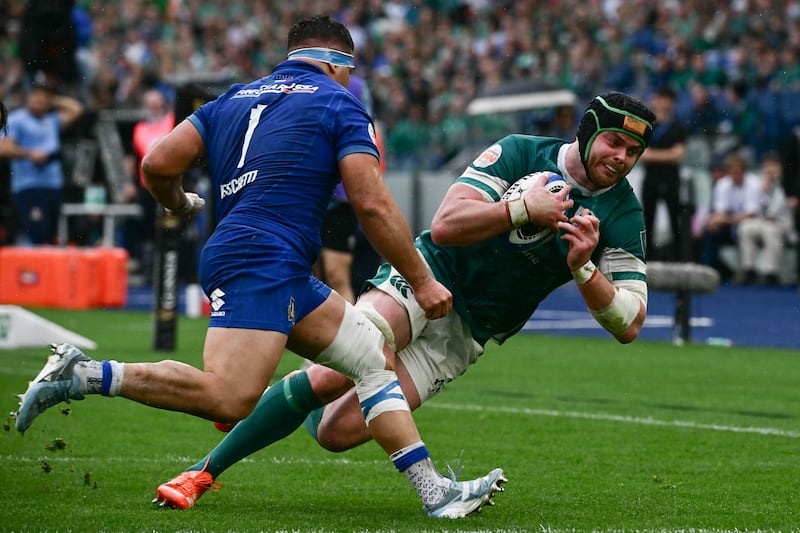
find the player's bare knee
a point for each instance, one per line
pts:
(335, 437)
(327, 383)
(231, 404)
(232, 409)
(329, 439)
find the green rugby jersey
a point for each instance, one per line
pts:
(496, 288)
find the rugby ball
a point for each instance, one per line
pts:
(530, 235)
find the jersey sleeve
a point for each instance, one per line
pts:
(491, 172)
(354, 128)
(200, 120)
(507, 160)
(622, 251)
(622, 244)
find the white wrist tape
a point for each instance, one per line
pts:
(518, 212)
(620, 313)
(585, 274)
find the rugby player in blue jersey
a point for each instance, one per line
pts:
(598, 243)
(275, 149)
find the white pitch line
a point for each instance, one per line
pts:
(186, 460)
(548, 529)
(648, 421)
(550, 320)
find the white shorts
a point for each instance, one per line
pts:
(440, 350)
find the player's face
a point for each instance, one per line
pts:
(612, 157)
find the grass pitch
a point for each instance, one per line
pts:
(593, 436)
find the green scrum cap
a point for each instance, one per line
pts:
(614, 111)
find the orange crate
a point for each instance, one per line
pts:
(112, 265)
(67, 278)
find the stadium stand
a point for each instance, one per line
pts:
(438, 56)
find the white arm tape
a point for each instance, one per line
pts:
(518, 212)
(620, 313)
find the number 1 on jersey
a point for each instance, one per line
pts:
(255, 114)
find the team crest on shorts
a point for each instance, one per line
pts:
(402, 286)
(290, 310)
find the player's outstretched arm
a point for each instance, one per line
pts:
(465, 218)
(619, 310)
(388, 232)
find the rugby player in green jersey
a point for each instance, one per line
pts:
(596, 238)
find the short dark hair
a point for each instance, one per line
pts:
(321, 30)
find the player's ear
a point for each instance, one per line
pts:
(330, 70)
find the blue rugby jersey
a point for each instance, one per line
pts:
(273, 148)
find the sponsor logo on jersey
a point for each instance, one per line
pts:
(236, 184)
(489, 156)
(275, 88)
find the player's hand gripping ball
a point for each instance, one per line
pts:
(530, 236)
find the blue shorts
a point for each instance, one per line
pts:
(256, 280)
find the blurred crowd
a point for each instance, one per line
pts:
(731, 63)
(734, 66)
